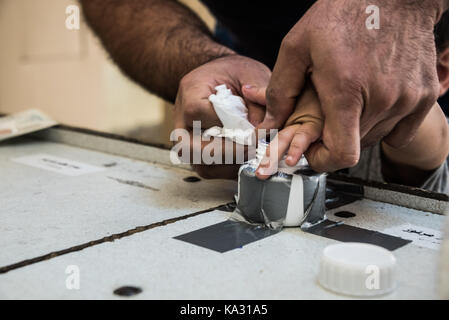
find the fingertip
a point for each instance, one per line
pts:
(263, 174)
(260, 175)
(249, 91)
(265, 169)
(254, 93)
(318, 158)
(291, 160)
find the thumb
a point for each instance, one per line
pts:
(254, 94)
(287, 80)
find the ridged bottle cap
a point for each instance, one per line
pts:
(357, 269)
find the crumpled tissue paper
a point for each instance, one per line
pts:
(233, 114)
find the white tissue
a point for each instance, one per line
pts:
(233, 114)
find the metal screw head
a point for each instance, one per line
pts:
(127, 291)
(345, 214)
(191, 179)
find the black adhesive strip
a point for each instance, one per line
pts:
(226, 236)
(345, 233)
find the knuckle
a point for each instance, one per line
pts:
(302, 136)
(284, 135)
(386, 99)
(183, 83)
(289, 43)
(412, 96)
(432, 95)
(344, 159)
(350, 92)
(273, 95)
(423, 97)
(295, 145)
(191, 111)
(410, 99)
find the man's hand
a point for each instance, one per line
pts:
(155, 42)
(302, 129)
(371, 83)
(192, 103)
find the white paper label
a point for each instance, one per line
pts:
(421, 236)
(56, 164)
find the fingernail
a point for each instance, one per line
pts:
(289, 159)
(261, 171)
(248, 86)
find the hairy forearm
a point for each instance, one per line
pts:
(155, 42)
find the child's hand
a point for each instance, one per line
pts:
(302, 129)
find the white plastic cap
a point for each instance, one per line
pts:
(357, 269)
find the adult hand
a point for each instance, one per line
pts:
(371, 83)
(192, 103)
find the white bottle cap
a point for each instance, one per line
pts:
(357, 269)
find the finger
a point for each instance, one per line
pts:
(255, 100)
(378, 132)
(255, 94)
(381, 97)
(275, 151)
(384, 111)
(287, 80)
(192, 104)
(316, 155)
(256, 113)
(340, 147)
(304, 136)
(381, 115)
(195, 148)
(200, 110)
(405, 130)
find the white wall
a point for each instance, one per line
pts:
(68, 75)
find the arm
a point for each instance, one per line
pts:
(300, 135)
(155, 42)
(413, 164)
(410, 165)
(367, 91)
(166, 48)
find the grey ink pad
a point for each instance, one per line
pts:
(345, 233)
(226, 236)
